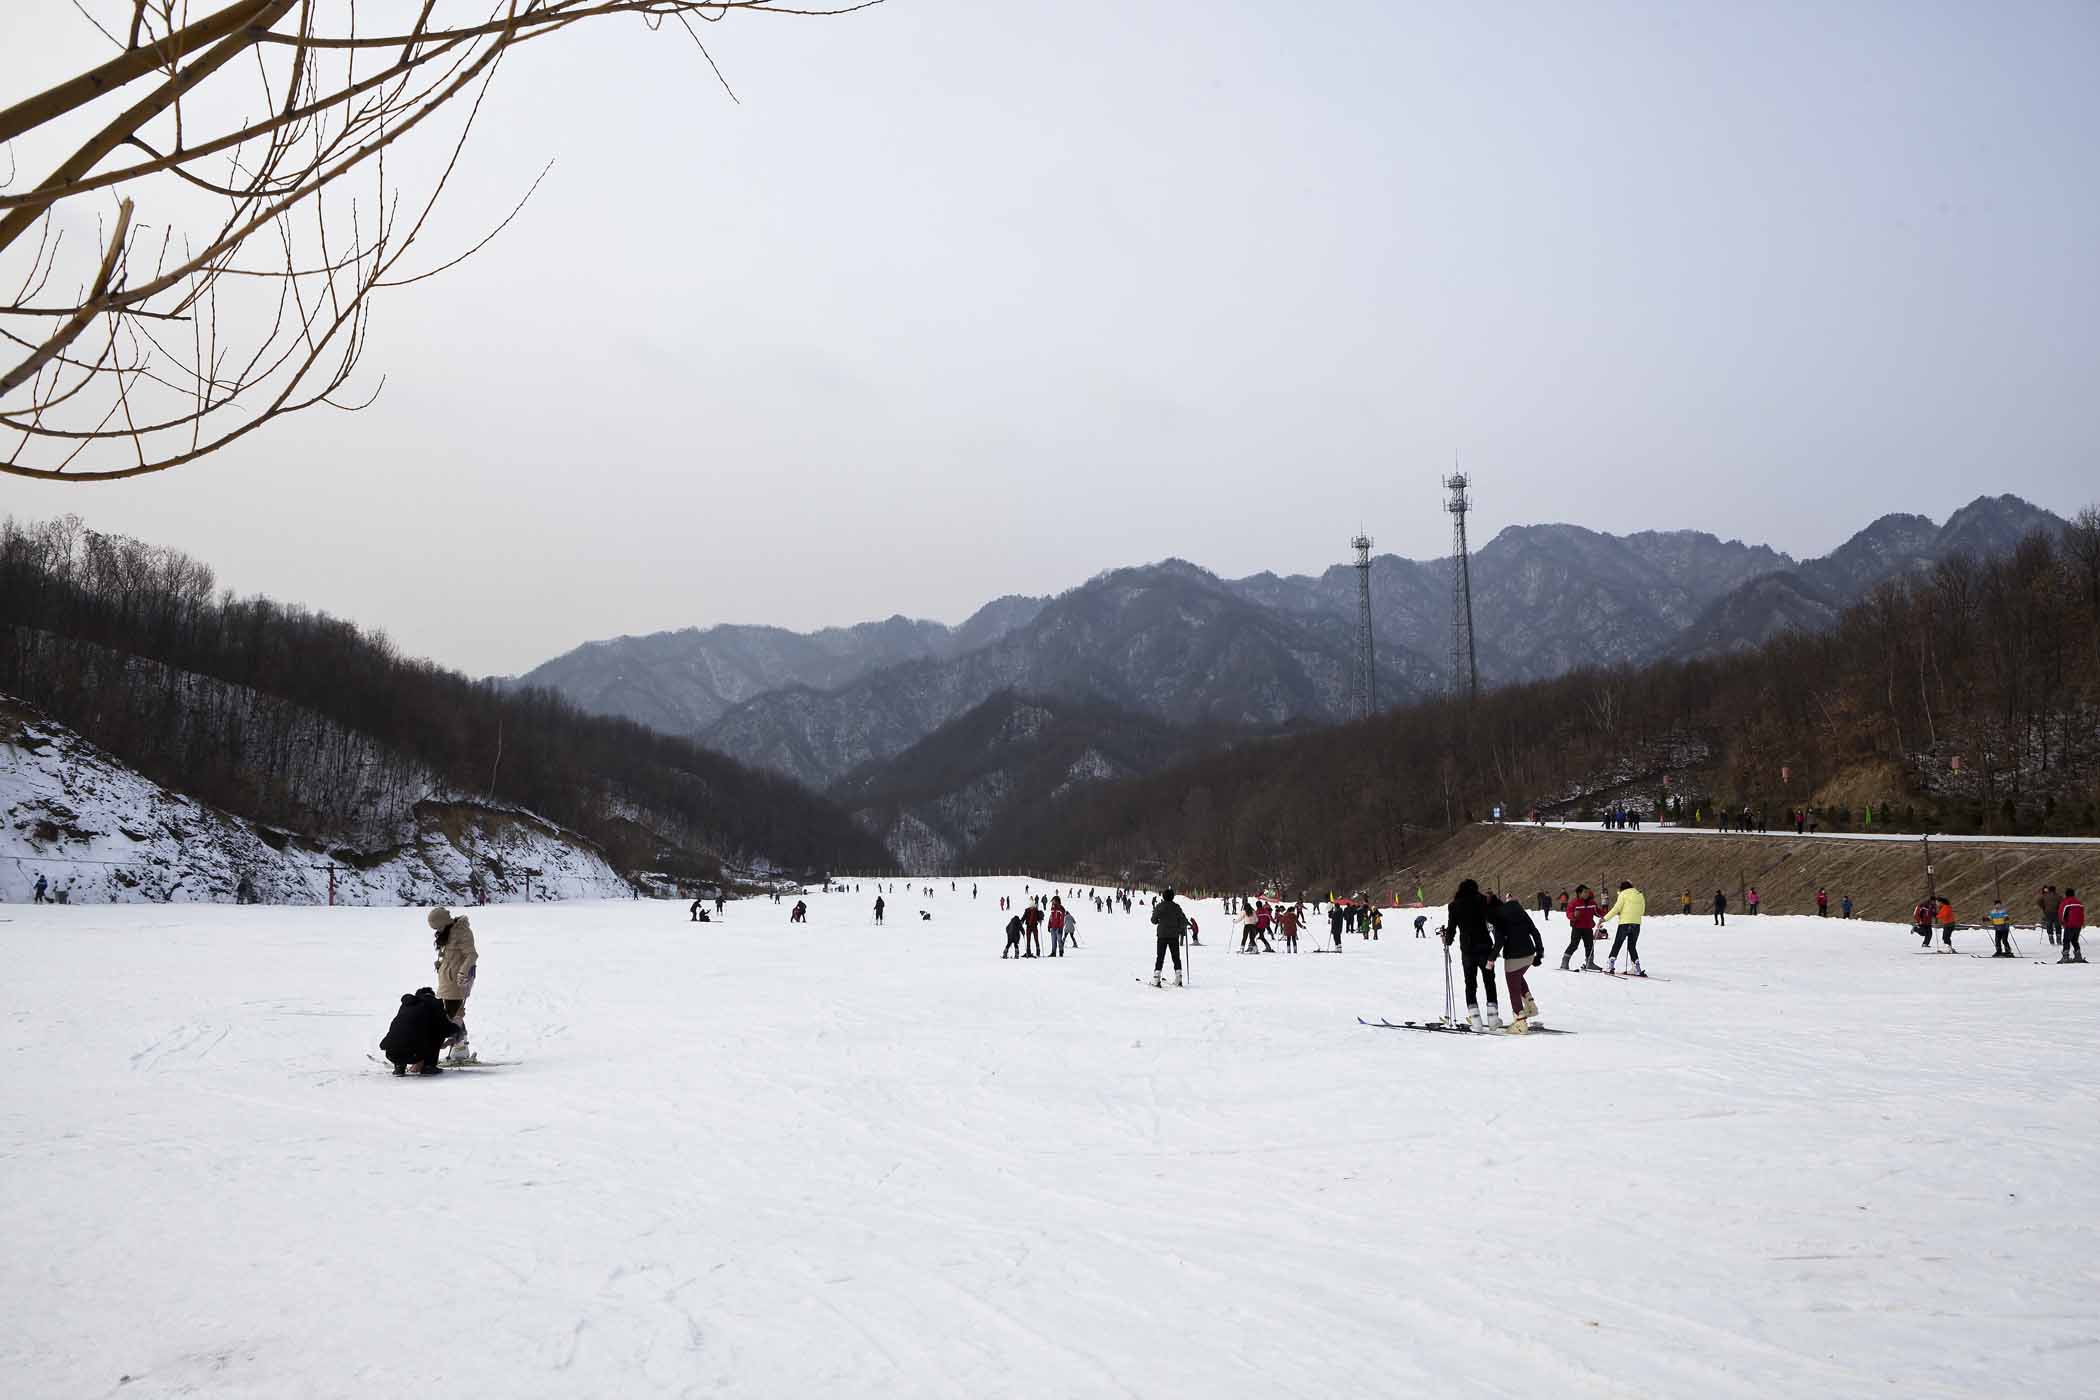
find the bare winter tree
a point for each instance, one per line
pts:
(218, 214)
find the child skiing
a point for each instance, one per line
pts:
(1583, 911)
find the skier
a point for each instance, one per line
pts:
(2070, 918)
(42, 885)
(1032, 921)
(1072, 929)
(1582, 921)
(1287, 920)
(878, 908)
(419, 1032)
(1629, 909)
(1013, 939)
(1720, 909)
(1421, 925)
(1946, 921)
(1684, 903)
(1921, 923)
(1057, 926)
(2001, 929)
(2051, 902)
(1822, 903)
(1521, 946)
(1545, 907)
(1170, 923)
(1750, 900)
(1466, 922)
(1845, 907)
(457, 963)
(694, 910)
(1334, 925)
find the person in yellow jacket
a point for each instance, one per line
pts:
(1629, 909)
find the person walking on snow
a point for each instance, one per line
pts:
(1334, 925)
(1845, 907)
(1947, 925)
(1466, 923)
(1169, 922)
(1720, 910)
(1822, 904)
(42, 885)
(878, 908)
(2051, 904)
(1629, 909)
(1583, 911)
(1750, 901)
(1521, 946)
(2070, 917)
(457, 963)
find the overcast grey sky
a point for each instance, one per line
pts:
(968, 299)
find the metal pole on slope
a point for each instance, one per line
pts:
(1450, 1007)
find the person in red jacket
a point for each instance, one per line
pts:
(1287, 920)
(2070, 915)
(1822, 904)
(1583, 913)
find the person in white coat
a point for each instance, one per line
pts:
(457, 962)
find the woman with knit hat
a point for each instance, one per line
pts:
(456, 965)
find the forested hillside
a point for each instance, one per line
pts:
(313, 724)
(1963, 698)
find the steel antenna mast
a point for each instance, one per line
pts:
(1465, 667)
(1366, 677)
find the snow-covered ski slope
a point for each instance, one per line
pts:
(752, 1159)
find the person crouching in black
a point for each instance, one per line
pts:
(419, 1032)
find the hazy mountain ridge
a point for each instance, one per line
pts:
(1167, 640)
(1174, 642)
(936, 799)
(1812, 596)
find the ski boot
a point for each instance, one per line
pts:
(1473, 1018)
(1518, 1025)
(1494, 1017)
(401, 1071)
(1157, 980)
(1611, 969)
(1531, 1008)
(1591, 966)
(461, 1053)
(1177, 979)
(1637, 972)
(1564, 964)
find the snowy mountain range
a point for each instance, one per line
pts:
(1175, 643)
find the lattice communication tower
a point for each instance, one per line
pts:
(1465, 669)
(1365, 679)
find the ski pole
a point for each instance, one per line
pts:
(1450, 1011)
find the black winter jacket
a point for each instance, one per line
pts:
(1467, 918)
(1515, 932)
(420, 1030)
(1170, 919)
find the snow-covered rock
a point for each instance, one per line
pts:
(100, 832)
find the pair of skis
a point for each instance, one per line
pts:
(1457, 1028)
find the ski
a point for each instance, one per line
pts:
(1460, 1028)
(476, 1063)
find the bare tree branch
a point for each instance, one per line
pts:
(275, 290)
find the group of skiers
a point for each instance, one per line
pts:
(1024, 930)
